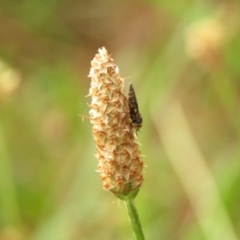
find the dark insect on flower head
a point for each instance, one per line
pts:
(134, 111)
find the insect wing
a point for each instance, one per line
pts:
(133, 107)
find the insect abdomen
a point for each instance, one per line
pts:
(134, 111)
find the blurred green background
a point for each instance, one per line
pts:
(183, 58)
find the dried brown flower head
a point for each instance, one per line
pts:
(120, 165)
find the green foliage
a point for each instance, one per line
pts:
(48, 186)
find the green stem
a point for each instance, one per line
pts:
(134, 219)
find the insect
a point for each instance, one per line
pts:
(133, 107)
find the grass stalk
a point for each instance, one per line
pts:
(134, 219)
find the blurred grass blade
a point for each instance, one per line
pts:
(8, 202)
(194, 174)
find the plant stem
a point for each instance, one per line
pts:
(134, 219)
